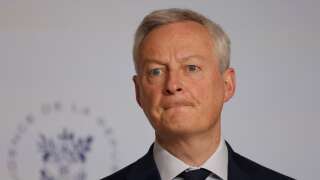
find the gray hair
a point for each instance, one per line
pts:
(162, 17)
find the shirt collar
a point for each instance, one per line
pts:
(169, 166)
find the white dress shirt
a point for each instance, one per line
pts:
(169, 166)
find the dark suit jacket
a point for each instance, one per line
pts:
(239, 168)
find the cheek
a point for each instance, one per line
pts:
(150, 95)
(210, 92)
(217, 94)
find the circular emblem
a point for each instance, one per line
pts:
(62, 142)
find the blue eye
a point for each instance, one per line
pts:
(155, 72)
(192, 68)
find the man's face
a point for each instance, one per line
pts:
(179, 85)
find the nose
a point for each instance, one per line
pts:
(173, 83)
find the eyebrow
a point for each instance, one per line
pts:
(152, 60)
(192, 57)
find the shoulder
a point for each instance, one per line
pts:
(142, 169)
(256, 170)
(123, 173)
(253, 169)
(120, 174)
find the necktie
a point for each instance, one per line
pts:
(199, 174)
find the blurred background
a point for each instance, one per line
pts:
(67, 105)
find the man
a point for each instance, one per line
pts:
(183, 79)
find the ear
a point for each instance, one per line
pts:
(229, 77)
(137, 89)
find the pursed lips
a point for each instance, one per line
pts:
(175, 104)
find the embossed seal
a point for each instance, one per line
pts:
(62, 142)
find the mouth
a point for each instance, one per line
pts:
(178, 104)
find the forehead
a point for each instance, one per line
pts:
(179, 39)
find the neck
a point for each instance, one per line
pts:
(195, 149)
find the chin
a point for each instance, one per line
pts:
(174, 132)
(180, 125)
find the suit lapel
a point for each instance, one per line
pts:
(145, 168)
(234, 170)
